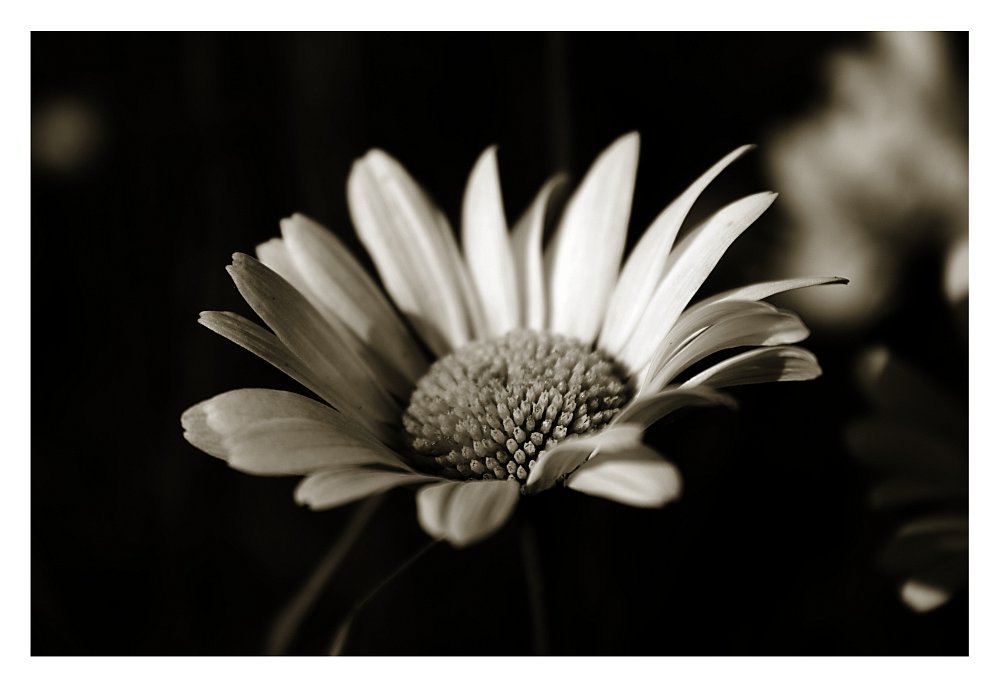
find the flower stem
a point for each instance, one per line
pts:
(536, 592)
(286, 625)
(340, 638)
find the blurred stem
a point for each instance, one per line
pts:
(340, 638)
(286, 625)
(536, 591)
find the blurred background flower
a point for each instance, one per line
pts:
(916, 445)
(875, 175)
(875, 180)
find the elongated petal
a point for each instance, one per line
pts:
(762, 290)
(742, 329)
(464, 513)
(777, 364)
(527, 246)
(261, 343)
(274, 254)
(571, 452)
(348, 384)
(687, 270)
(344, 287)
(690, 324)
(332, 488)
(646, 410)
(583, 258)
(486, 243)
(268, 432)
(414, 252)
(637, 476)
(647, 263)
(277, 255)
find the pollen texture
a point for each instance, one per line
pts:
(491, 409)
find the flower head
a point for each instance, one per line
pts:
(499, 370)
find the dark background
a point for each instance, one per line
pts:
(200, 143)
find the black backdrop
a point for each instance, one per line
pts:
(143, 545)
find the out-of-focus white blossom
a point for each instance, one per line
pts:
(877, 171)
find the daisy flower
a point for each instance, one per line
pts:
(483, 373)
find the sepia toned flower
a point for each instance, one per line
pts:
(494, 370)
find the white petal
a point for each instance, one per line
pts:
(756, 292)
(777, 364)
(466, 512)
(268, 432)
(636, 476)
(692, 322)
(646, 410)
(348, 384)
(955, 280)
(261, 343)
(486, 243)
(583, 258)
(332, 488)
(687, 269)
(278, 256)
(527, 246)
(647, 263)
(274, 253)
(740, 329)
(923, 597)
(414, 251)
(344, 287)
(571, 452)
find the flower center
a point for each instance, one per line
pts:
(491, 409)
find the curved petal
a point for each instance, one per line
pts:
(277, 255)
(262, 343)
(690, 324)
(348, 384)
(762, 290)
(414, 251)
(636, 476)
(332, 488)
(741, 329)
(343, 286)
(526, 243)
(570, 453)
(269, 432)
(686, 271)
(486, 243)
(647, 263)
(583, 258)
(646, 410)
(777, 364)
(274, 254)
(466, 512)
